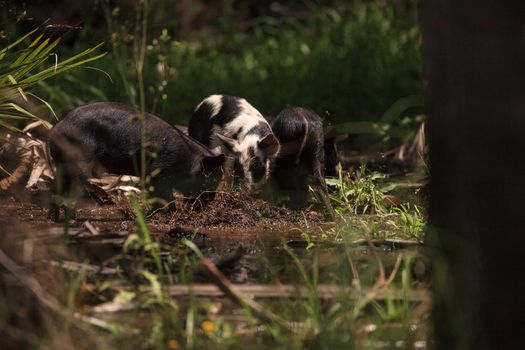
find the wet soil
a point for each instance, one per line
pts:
(234, 210)
(219, 225)
(210, 215)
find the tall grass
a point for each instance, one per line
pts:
(132, 76)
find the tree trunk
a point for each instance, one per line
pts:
(474, 62)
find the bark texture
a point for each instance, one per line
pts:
(474, 61)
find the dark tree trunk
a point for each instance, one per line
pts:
(474, 55)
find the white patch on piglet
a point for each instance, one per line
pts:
(215, 101)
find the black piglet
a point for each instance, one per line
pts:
(301, 159)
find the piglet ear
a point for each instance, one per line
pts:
(269, 145)
(229, 144)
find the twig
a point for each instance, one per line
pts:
(355, 275)
(230, 259)
(392, 242)
(381, 278)
(112, 307)
(30, 283)
(76, 266)
(96, 322)
(91, 228)
(394, 270)
(235, 295)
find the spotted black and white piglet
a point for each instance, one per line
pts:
(240, 130)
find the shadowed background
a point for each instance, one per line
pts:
(347, 60)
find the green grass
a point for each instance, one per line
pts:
(411, 220)
(363, 192)
(358, 193)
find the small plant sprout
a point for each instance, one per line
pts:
(360, 195)
(410, 219)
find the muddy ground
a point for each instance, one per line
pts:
(225, 226)
(209, 215)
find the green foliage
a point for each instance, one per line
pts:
(410, 219)
(69, 286)
(353, 61)
(145, 241)
(361, 194)
(396, 310)
(21, 69)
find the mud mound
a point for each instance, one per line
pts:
(234, 209)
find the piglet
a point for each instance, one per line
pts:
(107, 137)
(301, 160)
(242, 133)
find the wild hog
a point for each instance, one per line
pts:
(301, 160)
(106, 137)
(242, 133)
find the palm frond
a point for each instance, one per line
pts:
(34, 63)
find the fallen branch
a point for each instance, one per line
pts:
(409, 153)
(91, 228)
(30, 156)
(231, 258)
(251, 291)
(75, 266)
(238, 297)
(112, 307)
(400, 243)
(265, 291)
